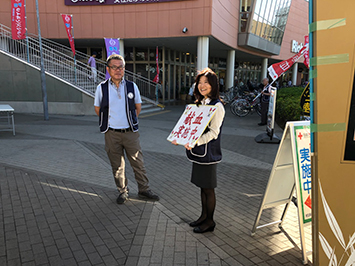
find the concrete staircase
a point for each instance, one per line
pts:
(59, 62)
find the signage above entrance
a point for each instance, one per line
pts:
(110, 2)
(295, 46)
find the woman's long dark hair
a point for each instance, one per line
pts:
(212, 80)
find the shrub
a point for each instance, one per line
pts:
(288, 106)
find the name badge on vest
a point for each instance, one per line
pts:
(130, 95)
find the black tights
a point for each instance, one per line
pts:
(208, 200)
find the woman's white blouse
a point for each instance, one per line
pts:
(214, 125)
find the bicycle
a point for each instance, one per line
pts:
(227, 95)
(243, 106)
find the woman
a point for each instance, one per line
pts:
(207, 152)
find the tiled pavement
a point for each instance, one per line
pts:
(57, 198)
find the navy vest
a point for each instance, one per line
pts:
(130, 106)
(209, 153)
(266, 98)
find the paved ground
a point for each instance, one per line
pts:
(57, 198)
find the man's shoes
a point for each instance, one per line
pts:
(122, 198)
(148, 194)
(261, 124)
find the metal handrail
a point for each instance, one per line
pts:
(100, 64)
(58, 60)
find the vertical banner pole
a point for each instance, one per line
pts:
(72, 26)
(43, 76)
(27, 46)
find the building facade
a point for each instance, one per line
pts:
(237, 39)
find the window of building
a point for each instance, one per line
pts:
(141, 54)
(128, 53)
(269, 18)
(244, 14)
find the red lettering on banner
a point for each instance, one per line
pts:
(306, 54)
(277, 69)
(67, 19)
(18, 22)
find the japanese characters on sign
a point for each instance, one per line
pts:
(277, 69)
(192, 124)
(68, 23)
(112, 47)
(305, 101)
(302, 136)
(18, 21)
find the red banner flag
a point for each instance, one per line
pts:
(156, 79)
(306, 54)
(18, 20)
(68, 27)
(277, 69)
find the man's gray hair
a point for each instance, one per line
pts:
(115, 57)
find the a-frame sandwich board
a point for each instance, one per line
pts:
(285, 180)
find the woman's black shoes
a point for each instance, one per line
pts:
(198, 229)
(196, 223)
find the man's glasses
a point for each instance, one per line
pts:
(116, 67)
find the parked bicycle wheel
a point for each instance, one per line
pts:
(232, 107)
(224, 97)
(241, 107)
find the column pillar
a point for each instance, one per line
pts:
(229, 80)
(122, 47)
(202, 52)
(264, 68)
(294, 73)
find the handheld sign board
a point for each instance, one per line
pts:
(192, 124)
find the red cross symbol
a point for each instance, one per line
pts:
(300, 135)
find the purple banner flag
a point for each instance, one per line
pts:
(112, 47)
(111, 2)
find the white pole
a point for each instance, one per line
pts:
(264, 68)
(294, 74)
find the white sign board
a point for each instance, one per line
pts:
(192, 124)
(303, 149)
(271, 111)
(290, 173)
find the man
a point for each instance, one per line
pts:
(118, 104)
(265, 97)
(92, 65)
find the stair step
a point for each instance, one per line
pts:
(150, 110)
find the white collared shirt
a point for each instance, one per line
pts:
(215, 124)
(117, 117)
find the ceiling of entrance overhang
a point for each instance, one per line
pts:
(183, 44)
